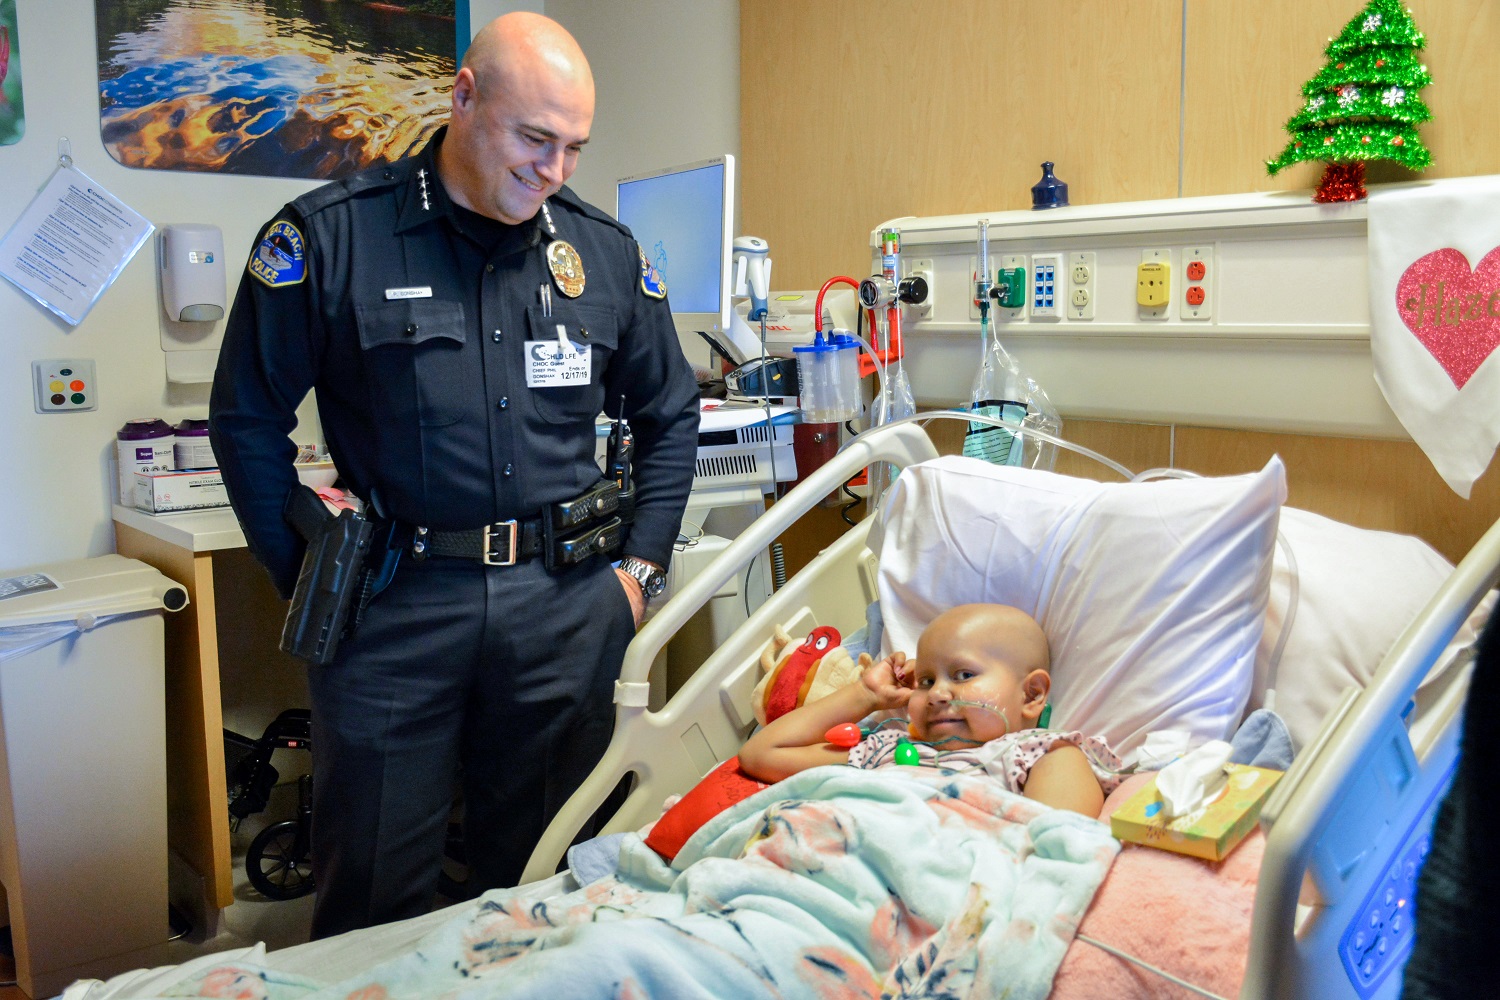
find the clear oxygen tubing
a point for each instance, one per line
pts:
(879, 374)
(1111, 949)
(895, 402)
(1126, 770)
(1012, 426)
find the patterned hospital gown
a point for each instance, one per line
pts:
(1008, 758)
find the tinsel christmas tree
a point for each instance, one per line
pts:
(1363, 105)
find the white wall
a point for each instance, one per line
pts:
(667, 76)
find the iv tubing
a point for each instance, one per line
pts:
(1015, 427)
(879, 366)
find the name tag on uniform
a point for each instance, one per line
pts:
(422, 292)
(552, 364)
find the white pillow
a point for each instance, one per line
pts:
(1357, 590)
(1152, 594)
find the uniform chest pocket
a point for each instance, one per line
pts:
(585, 326)
(415, 361)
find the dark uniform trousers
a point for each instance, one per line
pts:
(506, 672)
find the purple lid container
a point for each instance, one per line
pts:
(144, 429)
(192, 428)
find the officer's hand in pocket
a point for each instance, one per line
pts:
(634, 593)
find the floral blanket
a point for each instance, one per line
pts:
(836, 883)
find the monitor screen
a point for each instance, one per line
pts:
(683, 218)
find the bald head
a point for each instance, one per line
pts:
(523, 45)
(990, 632)
(523, 107)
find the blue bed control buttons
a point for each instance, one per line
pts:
(1379, 939)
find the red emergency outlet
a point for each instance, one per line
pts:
(1195, 295)
(1196, 270)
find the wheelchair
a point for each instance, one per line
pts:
(278, 861)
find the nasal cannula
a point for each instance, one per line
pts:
(965, 703)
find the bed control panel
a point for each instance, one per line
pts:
(1379, 938)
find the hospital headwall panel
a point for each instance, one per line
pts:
(857, 113)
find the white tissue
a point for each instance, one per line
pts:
(1162, 747)
(1192, 779)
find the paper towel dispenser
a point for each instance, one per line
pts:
(190, 258)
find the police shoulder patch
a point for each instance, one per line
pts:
(281, 257)
(652, 283)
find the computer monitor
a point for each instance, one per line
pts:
(683, 218)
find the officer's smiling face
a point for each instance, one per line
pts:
(522, 132)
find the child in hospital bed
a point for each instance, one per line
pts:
(973, 696)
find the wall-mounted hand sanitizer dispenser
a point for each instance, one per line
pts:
(191, 260)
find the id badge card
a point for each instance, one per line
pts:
(551, 364)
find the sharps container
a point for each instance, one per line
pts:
(190, 447)
(828, 374)
(143, 445)
(83, 764)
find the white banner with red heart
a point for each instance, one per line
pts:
(1435, 318)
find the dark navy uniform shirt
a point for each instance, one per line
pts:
(411, 322)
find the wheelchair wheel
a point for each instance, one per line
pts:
(277, 861)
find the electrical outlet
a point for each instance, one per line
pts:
(1153, 284)
(1197, 294)
(1049, 286)
(62, 385)
(1082, 271)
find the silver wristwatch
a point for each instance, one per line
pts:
(652, 580)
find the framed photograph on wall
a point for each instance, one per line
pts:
(278, 88)
(12, 112)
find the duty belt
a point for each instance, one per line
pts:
(503, 543)
(565, 533)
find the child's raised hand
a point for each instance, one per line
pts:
(890, 680)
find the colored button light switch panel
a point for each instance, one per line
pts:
(64, 384)
(1049, 286)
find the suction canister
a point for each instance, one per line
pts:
(828, 375)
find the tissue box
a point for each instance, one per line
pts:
(1211, 831)
(192, 489)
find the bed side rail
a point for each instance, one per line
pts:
(902, 445)
(1353, 814)
(670, 749)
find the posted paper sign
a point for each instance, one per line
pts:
(71, 243)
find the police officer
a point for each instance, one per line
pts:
(463, 317)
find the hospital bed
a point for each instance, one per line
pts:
(1348, 822)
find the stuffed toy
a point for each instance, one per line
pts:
(797, 673)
